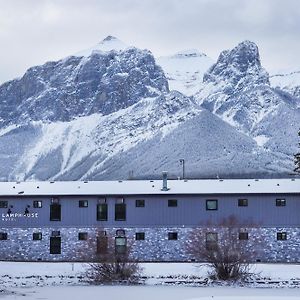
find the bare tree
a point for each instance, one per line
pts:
(297, 159)
(225, 247)
(112, 261)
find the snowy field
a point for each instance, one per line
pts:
(168, 281)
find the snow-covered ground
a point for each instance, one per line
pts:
(184, 281)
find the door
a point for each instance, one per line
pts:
(55, 245)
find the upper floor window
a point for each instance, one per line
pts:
(120, 212)
(83, 203)
(3, 204)
(102, 212)
(280, 202)
(55, 212)
(172, 203)
(243, 202)
(37, 204)
(211, 204)
(140, 203)
(281, 236)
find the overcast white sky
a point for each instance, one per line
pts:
(35, 31)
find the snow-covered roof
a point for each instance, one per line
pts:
(151, 187)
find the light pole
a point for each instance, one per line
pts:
(183, 169)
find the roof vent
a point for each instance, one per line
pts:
(221, 180)
(278, 184)
(165, 181)
(20, 193)
(85, 182)
(185, 180)
(256, 179)
(248, 184)
(51, 181)
(120, 181)
(293, 179)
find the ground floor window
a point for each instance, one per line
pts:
(140, 236)
(36, 236)
(211, 240)
(3, 236)
(172, 236)
(281, 236)
(82, 236)
(243, 236)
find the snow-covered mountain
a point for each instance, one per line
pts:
(185, 70)
(108, 113)
(288, 82)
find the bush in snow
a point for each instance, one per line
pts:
(225, 247)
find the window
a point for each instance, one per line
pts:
(281, 236)
(37, 204)
(172, 236)
(83, 203)
(139, 203)
(211, 204)
(243, 202)
(211, 240)
(82, 236)
(172, 203)
(3, 236)
(243, 236)
(120, 212)
(37, 236)
(280, 202)
(102, 212)
(55, 233)
(3, 204)
(140, 236)
(55, 212)
(120, 245)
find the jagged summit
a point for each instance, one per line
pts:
(238, 63)
(107, 44)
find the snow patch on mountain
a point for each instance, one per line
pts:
(108, 44)
(185, 70)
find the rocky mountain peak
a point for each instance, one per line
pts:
(238, 64)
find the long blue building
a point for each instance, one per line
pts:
(54, 221)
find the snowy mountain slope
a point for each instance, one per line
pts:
(185, 70)
(289, 82)
(87, 142)
(211, 148)
(103, 83)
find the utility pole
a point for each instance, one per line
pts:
(183, 167)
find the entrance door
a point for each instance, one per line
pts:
(55, 245)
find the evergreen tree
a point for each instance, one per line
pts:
(297, 159)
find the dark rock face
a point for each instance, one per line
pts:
(240, 63)
(79, 86)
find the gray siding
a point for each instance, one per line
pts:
(191, 211)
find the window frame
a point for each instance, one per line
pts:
(37, 236)
(82, 236)
(281, 236)
(37, 203)
(172, 203)
(243, 236)
(212, 200)
(173, 236)
(242, 202)
(280, 202)
(3, 204)
(140, 236)
(3, 236)
(121, 216)
(140, 203)
(81, 203)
